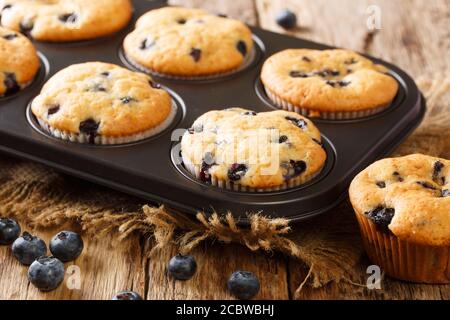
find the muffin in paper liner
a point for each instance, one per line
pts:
(240, 150)
(103, 104)
(329, 84)
(402, 207)
(188, 44)
(405, 260)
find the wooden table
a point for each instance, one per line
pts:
(415, 36)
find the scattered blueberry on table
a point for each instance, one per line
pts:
(286, 19)
(66, 246)
(127, 295)
(182, 267)
(46, 273)
(28, 248)
(9, 231)
(243, 285)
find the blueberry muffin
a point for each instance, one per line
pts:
(65, 20)
(188, 43)
(403, 208)
(19, 62)
(102, 103)
(331, 84)
(242, 150)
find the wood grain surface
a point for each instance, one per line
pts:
(414, 35)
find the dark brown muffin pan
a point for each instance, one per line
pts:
(146, 169)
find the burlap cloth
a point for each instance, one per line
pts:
(329, 245)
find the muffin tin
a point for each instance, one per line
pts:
(148, 169)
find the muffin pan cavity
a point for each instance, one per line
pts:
(147, 169)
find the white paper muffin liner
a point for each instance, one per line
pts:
(195, 171)
(106, 140)
(339, 115)
(246, 63)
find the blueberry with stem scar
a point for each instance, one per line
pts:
(28, 248)
(46, 273)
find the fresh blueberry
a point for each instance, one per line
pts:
(28, 248)
(127, 295)
(66, 246)
(243, 285)
(286, 19)
(9, 231)
(182, 267)
(46, 273)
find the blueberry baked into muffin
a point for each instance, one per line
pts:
(19, 62)
(188, 43)
(242, 150)
(65, 20)
(403, 208)
(102, 103)
(331, 84)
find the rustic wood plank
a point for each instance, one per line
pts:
(105, 268)
(415, 36)
(244, 10)
(216, 263)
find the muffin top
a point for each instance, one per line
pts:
(19, 61)
(94, 95)
(188, 42)
(65, 20)
(256, 150)
(328, 80)
(410, 196)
